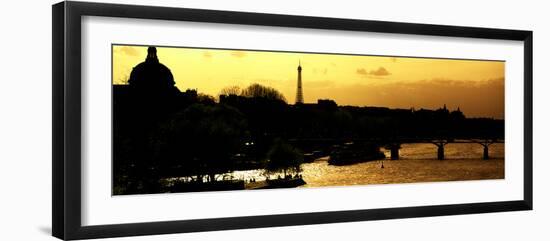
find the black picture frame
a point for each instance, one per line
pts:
(66, 47)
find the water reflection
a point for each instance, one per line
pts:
(418, 163)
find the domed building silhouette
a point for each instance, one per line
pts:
(152, 78)
(151, 93)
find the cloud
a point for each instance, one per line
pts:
(361, 71)
(479, 98)
(238, 54)
(207, 54)
(128, 50)
(380, 72)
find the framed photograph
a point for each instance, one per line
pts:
(169, 120)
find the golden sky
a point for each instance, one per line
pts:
(477, 87)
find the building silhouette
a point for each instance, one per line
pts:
(299, 91)
(151, 90)
(151, 77)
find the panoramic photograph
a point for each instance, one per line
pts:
(202, 119)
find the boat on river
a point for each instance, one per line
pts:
(286, 182)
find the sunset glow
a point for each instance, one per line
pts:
(476, 86)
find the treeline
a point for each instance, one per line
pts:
(189, 135)
(325, 119)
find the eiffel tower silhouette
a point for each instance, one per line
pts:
(299, 91)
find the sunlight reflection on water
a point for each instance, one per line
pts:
(418, 163)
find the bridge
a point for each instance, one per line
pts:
(394, 144)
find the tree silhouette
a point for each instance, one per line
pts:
(231, 90)
(283, 157)
(260, 91)
(201, 140)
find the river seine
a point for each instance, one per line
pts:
(418, 163)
